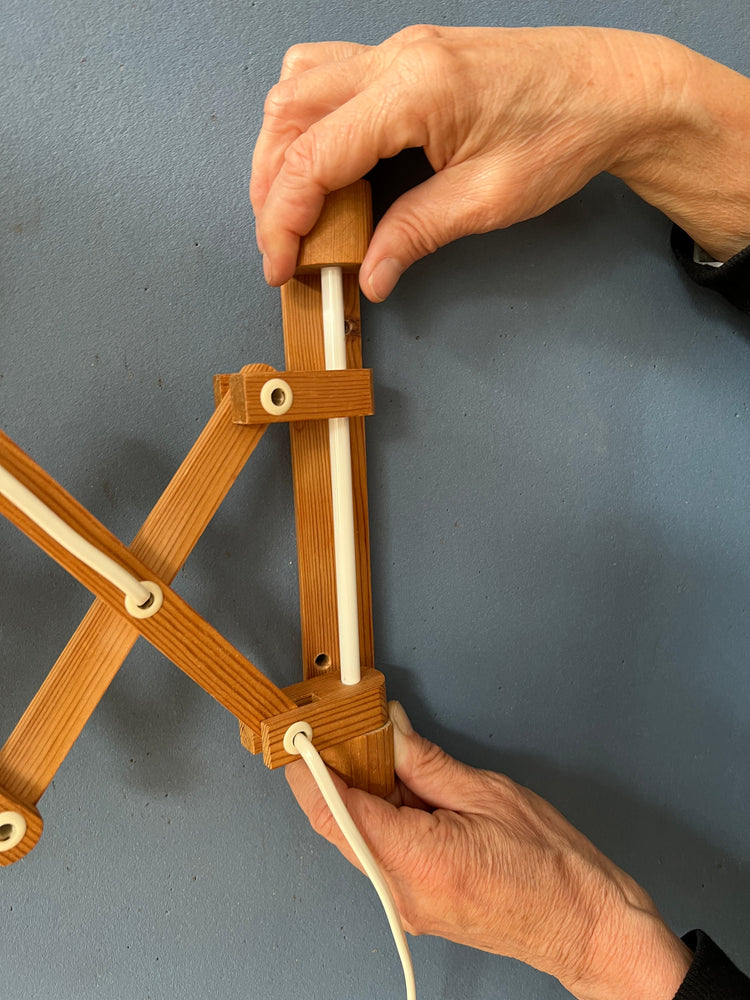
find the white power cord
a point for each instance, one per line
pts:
(298, 740)
(142, 598)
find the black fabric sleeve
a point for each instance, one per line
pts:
(711, 975)
(732, 279)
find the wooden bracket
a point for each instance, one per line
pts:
(290, 396)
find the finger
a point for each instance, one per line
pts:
(368, 811)
(432, 775)
(308, 55)
(450, 204)
(295, 103)
(331, 153)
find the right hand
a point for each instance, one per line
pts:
(472, 857)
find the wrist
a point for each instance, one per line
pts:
(632, 953)
(687, 149)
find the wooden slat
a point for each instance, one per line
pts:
(51, 724)
(316, 396)
(303, 340)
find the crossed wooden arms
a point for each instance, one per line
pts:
(349, 722)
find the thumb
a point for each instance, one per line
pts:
(427, 217)
(439, 780)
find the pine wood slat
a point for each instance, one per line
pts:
(316, 396)
(57, 714)
(303, 343)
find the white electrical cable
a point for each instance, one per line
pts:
(302, 744)
(334, 336)
(137, 593)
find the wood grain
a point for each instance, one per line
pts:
(336, 712)
(366, 761)
(342, 233)
(316, 396)
(51, 724)
(303, 341)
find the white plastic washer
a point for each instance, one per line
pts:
(18, 824)
(267, 401)
(157, 599)
(294, 730)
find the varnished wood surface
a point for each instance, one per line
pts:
(342, 233)
(316, 396)
(336, 712)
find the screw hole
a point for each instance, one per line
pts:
(323, 661)
(6, 832)
(348, 328)
(147, 603)
(278, 397)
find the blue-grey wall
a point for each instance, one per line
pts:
(559, 478)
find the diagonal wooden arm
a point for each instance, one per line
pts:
(54, 719)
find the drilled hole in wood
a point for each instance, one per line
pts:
(147, 603)
(348, 328)
(278, 396)
(6, 832)
(323, 661)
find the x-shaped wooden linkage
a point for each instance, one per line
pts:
(350, 722)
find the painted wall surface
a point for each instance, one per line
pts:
(559, 480)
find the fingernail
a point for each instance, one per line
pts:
(384, 278)
(399, 718)
(267, 270)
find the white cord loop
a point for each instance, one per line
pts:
(141, 596)
(300, 743)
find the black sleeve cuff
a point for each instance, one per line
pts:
(711, 975)
(732, 279)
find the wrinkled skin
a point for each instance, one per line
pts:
(475, 858)
(513, 121)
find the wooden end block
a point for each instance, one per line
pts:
(337, 712)
(342, 233)
(20, 828)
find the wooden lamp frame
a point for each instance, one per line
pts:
(350, 722)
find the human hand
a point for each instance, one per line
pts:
(513, 121)
(473, 857)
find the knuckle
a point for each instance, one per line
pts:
(417, 236)
(296, 60)
(277, 101)
(320, 819)
(417, 33)
(301, 155)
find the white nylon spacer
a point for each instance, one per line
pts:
(151, 606)
(276, 397)
(294, 730)
(12, 830)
